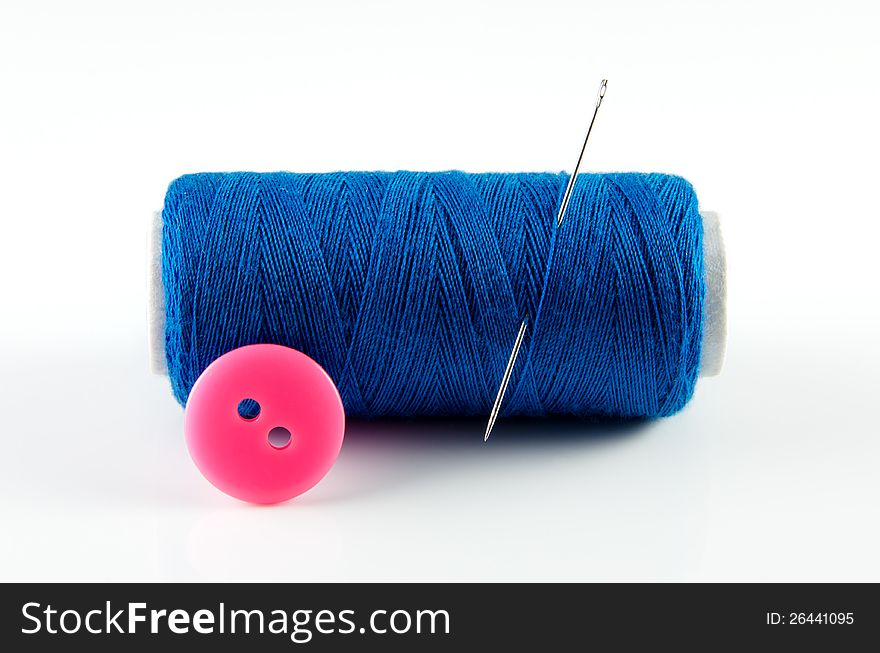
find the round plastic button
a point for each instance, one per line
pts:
(264, 423)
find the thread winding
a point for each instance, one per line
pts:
(408, 287)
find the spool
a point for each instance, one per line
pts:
(714, 329)
(714, 325)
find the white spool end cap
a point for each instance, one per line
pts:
(155, 297)
(715, 303)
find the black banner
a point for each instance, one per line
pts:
(406, 617)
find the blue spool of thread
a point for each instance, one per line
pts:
(409, 287)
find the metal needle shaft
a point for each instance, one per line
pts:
(560, 216)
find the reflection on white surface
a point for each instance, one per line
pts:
(756, 479)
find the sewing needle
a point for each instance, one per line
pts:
(560, 216)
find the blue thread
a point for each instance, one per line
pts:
(408, 287)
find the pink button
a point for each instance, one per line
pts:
(264, 423)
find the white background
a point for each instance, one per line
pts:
(769, 108)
